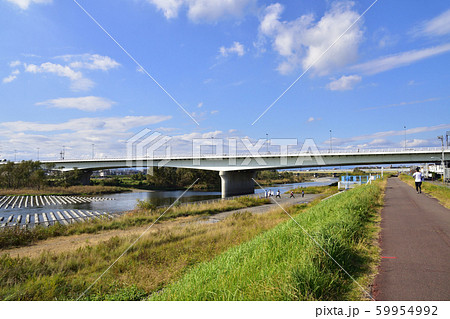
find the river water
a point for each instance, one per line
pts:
(127, 201)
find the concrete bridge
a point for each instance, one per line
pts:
(237, 171)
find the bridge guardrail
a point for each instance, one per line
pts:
(266, 154)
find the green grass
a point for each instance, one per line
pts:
(441, 193)
(327, 190)
(16, 236)
(280, 263)
(159, 258)
(285, 264)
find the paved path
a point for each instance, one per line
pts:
(415, 245)
(284, 201)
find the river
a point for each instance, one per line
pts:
(127, 201)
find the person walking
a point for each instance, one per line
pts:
(303, 193)
(418, 178)
(278, 194)
(292, 195)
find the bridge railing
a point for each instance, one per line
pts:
(266, 154)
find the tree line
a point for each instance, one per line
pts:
(30, 174)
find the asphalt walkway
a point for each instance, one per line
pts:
(284, 201)
(415, 245)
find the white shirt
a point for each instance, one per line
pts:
(417, 176)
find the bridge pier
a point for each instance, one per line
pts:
(85, 178)
(237, 182)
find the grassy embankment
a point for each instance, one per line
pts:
(146, 214)
(159, 258)
(441, 193)
(71, 190)
(276, 181)
(285, 264)
(327, 190)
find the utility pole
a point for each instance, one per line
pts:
(441, 137)
(62, 154)
(331, 144)
(404, 127)
(447, 135)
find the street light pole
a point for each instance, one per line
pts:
(441, 137)
(331, 143)
(404, 127)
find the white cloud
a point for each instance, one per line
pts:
(213, 10)
(91, 62)
(13, 64)
(9, 78)
(437, 26)
(204, 10)
(168, 7)
(12, 76)
(384, 38)
(199, 105)
(86, 124)
(87, 103)
(24, 4)
(236, 48)
(344, 83)
(79, 83)
(72, 71)
(109, 135)
(313, 119)
(403, 103)
(301, 42)
(400, 59)
(384, 134)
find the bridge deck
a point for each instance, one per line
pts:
(415, 243)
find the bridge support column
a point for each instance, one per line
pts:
(86, 177)
(237, 183)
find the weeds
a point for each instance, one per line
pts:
(145, 214)
(158, 258)
(285, 264)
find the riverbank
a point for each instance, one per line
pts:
(71, 190)
(160, 257)
(145, 215)
(73, 242)
(285, 264)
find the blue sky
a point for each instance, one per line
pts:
(64, 81)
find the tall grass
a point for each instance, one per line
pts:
(158, 258)
(326, 190)
(15, 236)
(285, 264)
(441, 193)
